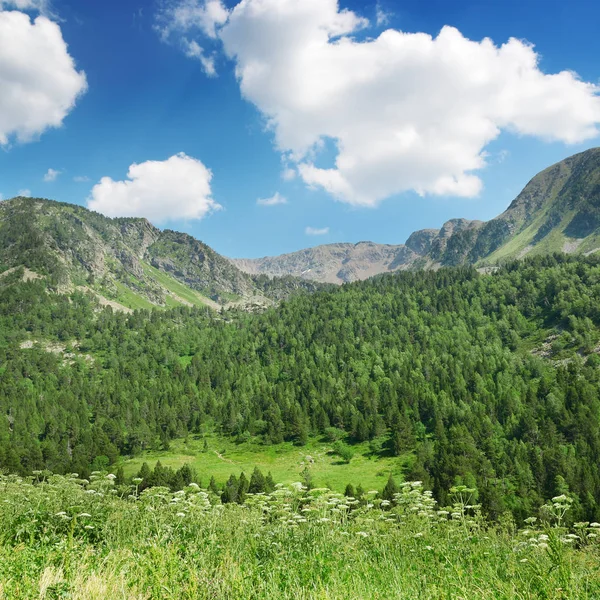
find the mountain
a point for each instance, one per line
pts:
(130, 263)
(127, 262)
(558, 211)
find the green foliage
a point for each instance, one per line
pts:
(91, 539)
(343, 451)
(464, 376)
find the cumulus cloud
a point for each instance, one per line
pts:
(179, 21)
(405, 111)
(39, 83)
(177, 188)
(33, 5)
(51, 175)
(24, 193)
(316, 231)
(274, 200)
(81, 179)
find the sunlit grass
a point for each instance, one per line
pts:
(285, 461)
(70, 538)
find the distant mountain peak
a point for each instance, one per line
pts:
(558, 210)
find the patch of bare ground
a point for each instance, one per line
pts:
(525, 251)
(103, 301)
(28, 274)
(571, 246)
(57, 348)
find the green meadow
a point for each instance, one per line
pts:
(223, 456)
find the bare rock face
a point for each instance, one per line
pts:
(332, 263)
(420, 241)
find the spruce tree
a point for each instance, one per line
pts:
(243, 486)
(269, 483)
(257, 482)
(212, 486)
(390, 489)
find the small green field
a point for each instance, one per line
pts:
(285, 462)
(130, 299)
(172, 285)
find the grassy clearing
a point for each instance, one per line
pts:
(130, 299)
(68, 538)
(172, 285)
(284, 461)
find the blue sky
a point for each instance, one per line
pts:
(147, 100)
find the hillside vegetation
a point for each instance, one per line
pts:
(66, 537)
(485, 380)
(126, 263)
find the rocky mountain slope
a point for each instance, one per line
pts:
(558, 211)
(130, 263)
(126, 262)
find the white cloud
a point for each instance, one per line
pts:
(382, 18)
(33, 5)
(274, 200)
(24, 193)
(180, 20)
(193, 50)
(81, 179)
(38, 80)
(177, 188)
(51, 175)
(406, 111)
(316, 231)
(178, 16)
(288, 174)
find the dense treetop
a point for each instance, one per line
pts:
(485, 379)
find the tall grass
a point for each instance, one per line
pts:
(62, 537)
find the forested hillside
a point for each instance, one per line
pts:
(127, 263)
(489, 380)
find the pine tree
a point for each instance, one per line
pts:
(349, 491)
(120, 476)
(390, 489)
(257, 482)
(269, 483)
(243, 486)
(307, 478)
(360, 494)
(230, 492)
(188, 474)
(212, 486)
(145, 474)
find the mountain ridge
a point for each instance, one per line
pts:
(127, 263)
(131, 263)
(558, 210)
